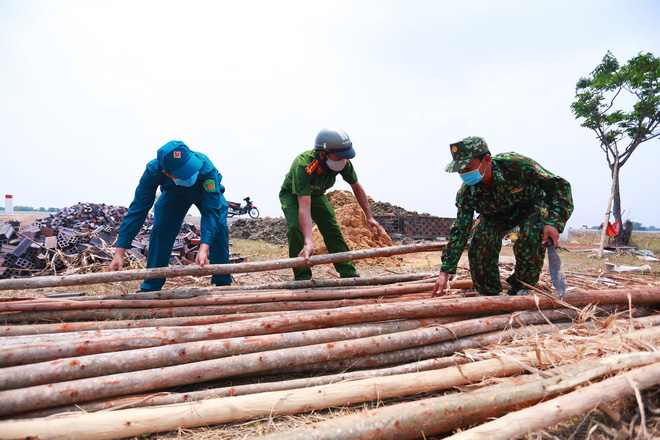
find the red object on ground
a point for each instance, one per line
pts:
(612, 229)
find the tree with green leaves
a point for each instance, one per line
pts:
(621, 104)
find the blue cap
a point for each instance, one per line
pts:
(177, 159)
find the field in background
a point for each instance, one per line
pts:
(261, 250)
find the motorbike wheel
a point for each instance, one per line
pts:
(230, 214)
(254, 213)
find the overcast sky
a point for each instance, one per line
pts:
(89, 90)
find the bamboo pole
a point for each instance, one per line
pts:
(442, 414)
(211, 269)
(134, 422)
(30, 349)
(563, 408)
(82, 390)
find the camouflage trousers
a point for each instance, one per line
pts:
(486, 244)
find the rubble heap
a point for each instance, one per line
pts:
(76, 236)
(271, 230)
(80, 238)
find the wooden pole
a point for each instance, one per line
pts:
(195, 270)
(135, 422)
(563, 408)
(216, 300)
(29, 349)
(82, 390)
(436, 360)
(175, 354)
(429, 417)
(113, 424)
(339, 282)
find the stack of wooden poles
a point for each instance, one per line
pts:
(196, 357)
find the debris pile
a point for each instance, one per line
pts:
(356, 232)
(75, 237)
(80, 238)
(271, 230)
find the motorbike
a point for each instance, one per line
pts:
(237, 209)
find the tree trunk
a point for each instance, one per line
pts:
(613, 194)
(623, 237)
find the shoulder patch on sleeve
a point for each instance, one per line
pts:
(540, 171)
(312, 166)
(209, 185)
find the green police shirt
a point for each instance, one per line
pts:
(308, 176)
(518, 182)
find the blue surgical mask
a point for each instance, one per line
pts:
(472, 177)
(190, 181)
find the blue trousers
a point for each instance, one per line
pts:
(169, 213)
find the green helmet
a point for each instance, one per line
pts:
(335, 140)
(464, 151)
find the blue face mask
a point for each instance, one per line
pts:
(190, 181)
(472, 177)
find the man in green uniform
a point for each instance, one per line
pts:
(303, 199)
(507, 190)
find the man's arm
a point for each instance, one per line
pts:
(305, 219)
(117, 262)
(362, 199)
(458, 237)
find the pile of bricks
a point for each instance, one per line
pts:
(81, 237)
(414, 226)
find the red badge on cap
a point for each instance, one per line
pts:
(177, 155)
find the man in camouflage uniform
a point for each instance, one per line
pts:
(303, 199)
(507, 190)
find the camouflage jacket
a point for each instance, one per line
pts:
(518, 182)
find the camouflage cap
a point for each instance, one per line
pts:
(464, 151)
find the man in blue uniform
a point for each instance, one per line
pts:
(185, 177)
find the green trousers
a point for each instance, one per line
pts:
(486, 244)
(324, 216)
